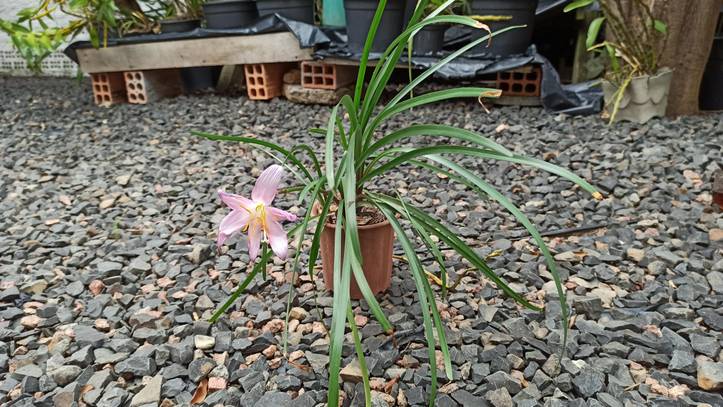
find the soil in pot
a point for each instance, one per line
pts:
(225, 14)
(429, 40)
(644, 98)
(176, 25)
(299, 10)
(376, 238)
(359, 15)
(512, 42)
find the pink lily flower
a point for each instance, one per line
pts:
(256, 215)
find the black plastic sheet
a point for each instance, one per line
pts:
(309, 36)
(555, 97)
(577, 99)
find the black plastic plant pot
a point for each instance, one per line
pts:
(711, 89)
(359, 16)
(200, 78)
(299, 10)
(173, 25)
(224, 14)
(512, 42)
(429, 40)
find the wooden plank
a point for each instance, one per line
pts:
(235, 50)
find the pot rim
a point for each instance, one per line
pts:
(316, 208)
(362, 227)
(661, 71)
(219, 2)
(174, 20)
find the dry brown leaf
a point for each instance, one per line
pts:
(390, 385)
(653, 329)
(85, 389)
(502, 127)
(201, 391)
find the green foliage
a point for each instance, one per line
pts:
(634, 45)
(446, 7)
(35, 34)
(182, 9)
(357, 152)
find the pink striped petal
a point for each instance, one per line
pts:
(236, 201)
(267, 184)
(279, 214)
(254, 240)
(277, 238)
(231, 223)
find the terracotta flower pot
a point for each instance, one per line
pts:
(377, 245)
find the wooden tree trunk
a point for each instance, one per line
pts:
(691, 27)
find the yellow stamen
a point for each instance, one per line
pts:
(261, 217)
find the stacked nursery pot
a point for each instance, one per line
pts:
(359, 15)
(225, 14)
(299, 10)
(522, 12)
(429, 40)
(196, 78)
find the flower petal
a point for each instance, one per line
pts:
(254, 240)
(267, 184)
(279, 214)
(277, 238)
(231, 223)
(235, 201)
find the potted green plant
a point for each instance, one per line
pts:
(635, 86)
(357, 153)
(181, 15)
(35, 35)
(499, 14)
(299, 10)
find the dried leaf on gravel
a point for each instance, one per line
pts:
(201, 391)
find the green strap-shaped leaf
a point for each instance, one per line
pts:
(249, 140)
(329, 143)
(419, 130)
(471, 179)
(342, 279)
(577, 4)
(421, 233)
(453, 241)
(419, 278)
(411, 153)
(360, 357)
(593, 30)
(259, 267)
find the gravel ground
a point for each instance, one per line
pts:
(109, 272)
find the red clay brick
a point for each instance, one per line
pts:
(147, 86)
(264, 81)
(320, 75)
(524, 81)
(108, 88)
